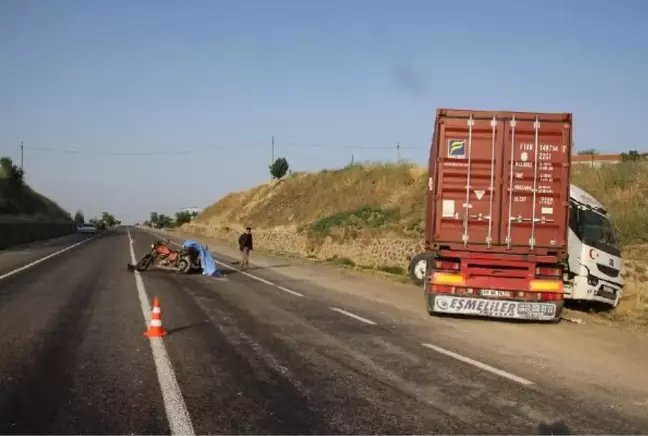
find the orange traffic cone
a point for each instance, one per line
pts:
(155, 329)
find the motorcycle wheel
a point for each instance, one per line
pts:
(144, 263)
(184, 265)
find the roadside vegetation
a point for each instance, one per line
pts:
(162, 221)
(19, 202)
(106, 220)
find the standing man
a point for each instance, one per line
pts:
(245, 245)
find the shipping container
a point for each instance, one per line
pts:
(486, 192)
(497, 218)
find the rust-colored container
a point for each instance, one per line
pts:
(499, 182)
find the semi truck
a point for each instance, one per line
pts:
(497, 214)
(498, 228)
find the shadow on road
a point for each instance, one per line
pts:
(187, 327)
(557, 428)
(254, 268)
(588, 306)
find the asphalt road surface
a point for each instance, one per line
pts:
(246, 355)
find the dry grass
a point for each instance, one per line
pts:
(623, 189)
(25, 203)
(390, 199)
(330, 198)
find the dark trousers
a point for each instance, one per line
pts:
(245, 260)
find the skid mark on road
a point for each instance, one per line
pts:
(175, 407)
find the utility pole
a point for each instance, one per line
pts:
(352, 159)
(22, 154)
(398, 152)
(273, 159)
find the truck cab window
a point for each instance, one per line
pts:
(597, 232)
(573, 219)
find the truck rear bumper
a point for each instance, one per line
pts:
(491, 308)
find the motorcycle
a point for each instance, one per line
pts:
(184, 260)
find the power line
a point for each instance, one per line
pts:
(292, 144)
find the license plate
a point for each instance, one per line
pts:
(495, 293)
(536, 310)
(494, 308)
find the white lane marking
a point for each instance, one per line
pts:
(43, 259)
(480, 365)
(174, 405)
(290, 291)
(353, 315)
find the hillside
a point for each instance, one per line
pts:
(24, 204)
(389, 200)
(371, 216)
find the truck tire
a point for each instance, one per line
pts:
(418, 267)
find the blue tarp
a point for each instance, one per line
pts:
(206, 259)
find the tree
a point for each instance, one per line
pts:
(279, 168)
(108, 219)
(12, 172)
(184, 217)
(154, 219)
(632, 155)
(164, 221)
(588, 152)
(79, 218)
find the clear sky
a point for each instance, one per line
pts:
(117, 100)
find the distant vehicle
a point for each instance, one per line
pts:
(496, 227)
(87, 228)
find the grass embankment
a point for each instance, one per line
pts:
(389, 201)
(21, 203)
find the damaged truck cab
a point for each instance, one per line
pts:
(496, 228)
(595, 262)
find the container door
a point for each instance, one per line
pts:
(536, 185)
(467, 201)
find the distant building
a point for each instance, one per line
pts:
(596, 160)
(191, 210)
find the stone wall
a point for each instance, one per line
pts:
(374, 252)
(18, 233)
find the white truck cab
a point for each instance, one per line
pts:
(595, 262)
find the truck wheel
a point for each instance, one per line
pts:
(418, 267)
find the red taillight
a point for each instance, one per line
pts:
(442, 289)
(446, 265)
(552, 296)
(542, 271)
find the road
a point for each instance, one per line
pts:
(255, 353)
